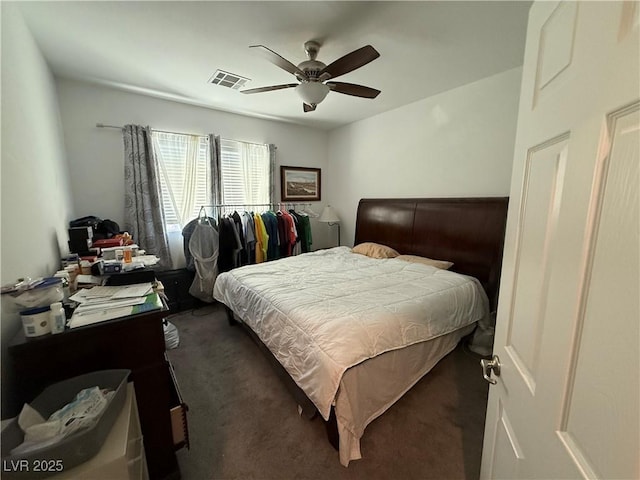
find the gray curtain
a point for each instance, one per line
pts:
(214, 171)
(272, 170)
(144, 216)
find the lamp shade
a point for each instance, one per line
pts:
(329, 215)
(312, 93)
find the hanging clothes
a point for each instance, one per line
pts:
(284, 247)
(246, 238)
(292, 231)
(287, 233)
(304, 231)
(249, 229)
(297, 249)
(306, 225)
(204, 247)
(271, 224)
(230, 245)
(242, 255)
(262, 239)
(237, 252)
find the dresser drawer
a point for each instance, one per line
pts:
(135, 447)
(178, 411)
(137, 468)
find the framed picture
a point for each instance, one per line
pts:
(300, 183)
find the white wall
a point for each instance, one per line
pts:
(36, 199)
(458, 143)
(96, 154)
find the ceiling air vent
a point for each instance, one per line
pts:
(229, 80)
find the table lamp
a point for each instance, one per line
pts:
(330, 217)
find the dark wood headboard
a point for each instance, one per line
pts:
(466, 231)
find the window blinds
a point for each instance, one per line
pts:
(185, 176)
(245, 172)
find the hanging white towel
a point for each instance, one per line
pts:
(204, 246)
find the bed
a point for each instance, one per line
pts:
(340, 326)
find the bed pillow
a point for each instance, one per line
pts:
(375, 250)
(442, 264)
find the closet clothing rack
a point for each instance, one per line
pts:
(274, 204)
(246, 206)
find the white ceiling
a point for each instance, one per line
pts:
(171, 49)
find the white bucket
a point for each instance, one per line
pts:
(36, 321)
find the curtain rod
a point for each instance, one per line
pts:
(104, 125)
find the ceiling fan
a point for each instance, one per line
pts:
(313, 75)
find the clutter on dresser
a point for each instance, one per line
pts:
(31, 293)
(106, 267)
(89, 235)
(33, 299)
(36, 321)
(99, 248)
(51, 304)
(48, 306)
(57, 318)
(111, 253)
(102, 303)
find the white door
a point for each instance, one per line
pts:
(566, 403)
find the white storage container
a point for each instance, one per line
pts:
(36, 321)
(78, 447)
(43, 293)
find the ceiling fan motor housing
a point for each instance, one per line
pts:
(311, 68)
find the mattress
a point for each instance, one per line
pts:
(325, 312)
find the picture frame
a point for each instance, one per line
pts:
(300, 184)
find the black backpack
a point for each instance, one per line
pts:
(108, 228)
(90, 221)
(101, 228)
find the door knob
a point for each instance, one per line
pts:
(489, 366)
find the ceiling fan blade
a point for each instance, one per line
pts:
(351, 61)
(353, 89)
(280, 61)
(308, 108)
(269, 89)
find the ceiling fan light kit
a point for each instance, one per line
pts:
(312, 93)
(311, 74)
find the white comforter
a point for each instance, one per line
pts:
(324, 312)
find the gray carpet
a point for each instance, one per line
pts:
(243, 423)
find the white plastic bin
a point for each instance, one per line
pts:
(76, 448)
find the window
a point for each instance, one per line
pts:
(185, 179)
(185, 174)
(245, 172)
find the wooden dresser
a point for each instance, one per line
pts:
(135, 342)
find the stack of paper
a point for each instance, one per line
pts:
(113, 293)
(106, 302)
(88, 280)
